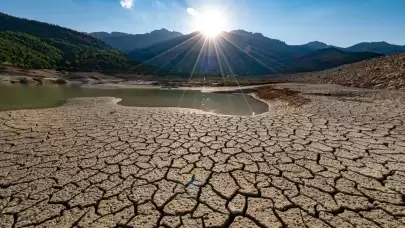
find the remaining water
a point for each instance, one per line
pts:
(27, 97)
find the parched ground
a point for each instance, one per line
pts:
(337, 161)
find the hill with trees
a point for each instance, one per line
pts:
(33, 44)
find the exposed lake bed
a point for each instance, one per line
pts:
(93, 163)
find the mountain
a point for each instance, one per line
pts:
(313, 46)
(242, 53)
(377, 47)
(129, 42)
(34, 44)
(327, 58)
(194, 53)
(101, 35)
(387, 72)
(263, 46)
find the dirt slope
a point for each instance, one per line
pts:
(387, 72)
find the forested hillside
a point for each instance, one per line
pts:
(34, 44)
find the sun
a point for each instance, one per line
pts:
(210, 23)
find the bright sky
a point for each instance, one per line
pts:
(336, 22)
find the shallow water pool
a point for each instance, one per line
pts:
(28, 97)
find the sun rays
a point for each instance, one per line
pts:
(184, 49)
(210, 50)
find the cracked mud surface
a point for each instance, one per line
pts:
(92, 163)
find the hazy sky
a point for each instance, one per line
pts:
(337, 22)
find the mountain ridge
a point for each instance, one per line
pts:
(127, 42)
(378, 47)
(328, 58)
(381, 47)
(239, 52)
(34, 44)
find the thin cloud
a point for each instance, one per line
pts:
(127, 3)
(192, 12)
(160, 4)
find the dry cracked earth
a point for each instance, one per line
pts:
(335, 162)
